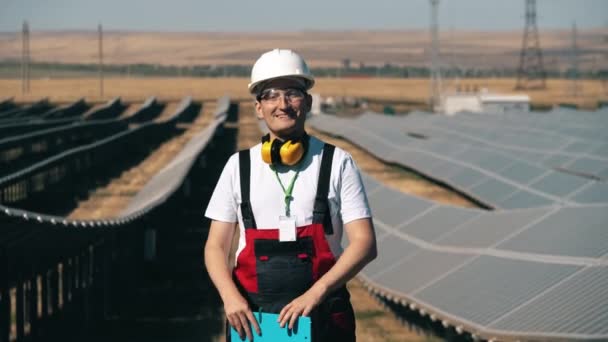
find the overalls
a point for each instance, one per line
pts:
(271, 273)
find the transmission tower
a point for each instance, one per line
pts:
(435, 87)
(604, 79)
(25, 58)
(531, 72)
(574, 84)
(100, 31)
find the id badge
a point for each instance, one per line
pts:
(287, 228)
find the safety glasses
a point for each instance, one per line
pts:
(272, 95)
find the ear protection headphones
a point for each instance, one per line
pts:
(288, 152)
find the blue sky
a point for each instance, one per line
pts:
(277, 16)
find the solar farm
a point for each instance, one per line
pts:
(530, 264)
(483, 152)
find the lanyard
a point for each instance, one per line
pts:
(287, 192)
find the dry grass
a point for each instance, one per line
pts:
(129, 89)
(130, 110)
(173, 89)
(170, 108)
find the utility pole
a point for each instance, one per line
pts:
(435, 87)
(100, 32)
(531, 72)
(574, 83)
(25, 58)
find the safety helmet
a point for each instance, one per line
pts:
(280, 63)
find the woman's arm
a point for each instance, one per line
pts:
(359, 252)
(237, 309)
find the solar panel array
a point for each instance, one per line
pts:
(536, 272)
(99, 261)
(505, 161)
(166, 181)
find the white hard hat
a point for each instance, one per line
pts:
(280, 63)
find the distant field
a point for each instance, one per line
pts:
(464, 49)
(383, 89)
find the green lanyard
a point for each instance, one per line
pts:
(288, 197)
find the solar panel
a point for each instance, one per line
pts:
(384, 195)
(529, 156)
(370, 184)
(444, 147)
(524, 199)
(578, 305)
(601, 151)
(522, 172)
(381, 231)
(439, 221)
(587, 165)
(470, 155)
(394, 208)
(466, 177)
(596, 192)
(419, 269)
(580, 147)
(495, 163)
(556, 160)
(559, 184)
(492, 190)
(579, 232)
(416, 160)
(443, 170)
(487, 288)
(489, 228)
(393, 250)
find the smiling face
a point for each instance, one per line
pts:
(284, 117)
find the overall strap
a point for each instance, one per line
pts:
(321, 208)
(245, 175)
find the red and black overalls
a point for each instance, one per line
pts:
(271, 273)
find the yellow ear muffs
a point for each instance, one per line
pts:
(289, 152)
(266, 150)
(292, 152)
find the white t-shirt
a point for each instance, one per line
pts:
(347, 198)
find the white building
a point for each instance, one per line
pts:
(484, 102)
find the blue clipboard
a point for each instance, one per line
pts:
(272, 331)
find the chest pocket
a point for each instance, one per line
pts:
(284, 268)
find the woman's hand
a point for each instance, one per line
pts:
(301, 306)
(239, 316)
